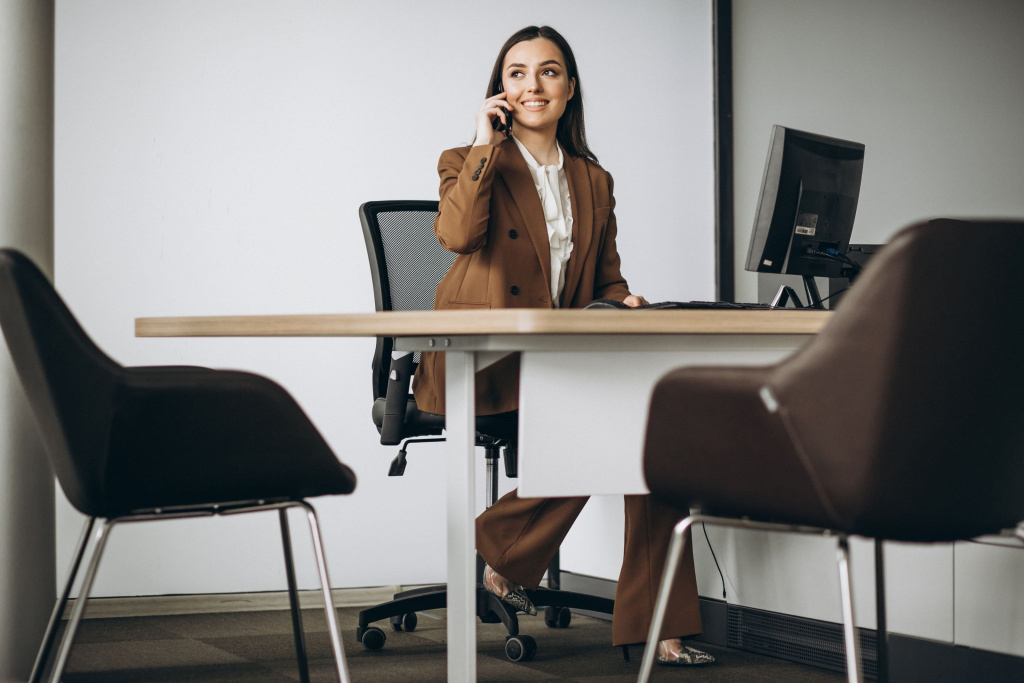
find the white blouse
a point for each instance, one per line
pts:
(553, 189)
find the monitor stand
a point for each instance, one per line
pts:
(787, 293)
(813, 296)
(783, 297)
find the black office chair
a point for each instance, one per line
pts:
(900, 421)
(407, 262)
(134, 444)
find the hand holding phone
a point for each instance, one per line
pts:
(490, 128)
(505, 128)
(497, 125)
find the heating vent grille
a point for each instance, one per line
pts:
(806, 641)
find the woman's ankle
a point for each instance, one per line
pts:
(497, 583)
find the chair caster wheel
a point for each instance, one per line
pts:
(405, 622)
(372, 638)
(557, 617)
(520, 648)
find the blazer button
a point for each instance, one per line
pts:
(513, 234)
(514, 290)
(483, 161)
(476, 176)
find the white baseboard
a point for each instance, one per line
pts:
(158, 605)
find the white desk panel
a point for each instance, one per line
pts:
(583, 414)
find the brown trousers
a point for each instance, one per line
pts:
(518, 538)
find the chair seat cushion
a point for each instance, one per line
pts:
(503, 426)
(417, 422)
(194, 436)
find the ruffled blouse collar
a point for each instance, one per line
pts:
(553, 189)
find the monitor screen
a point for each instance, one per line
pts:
(808, 201)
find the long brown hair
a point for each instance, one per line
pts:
(570, 133)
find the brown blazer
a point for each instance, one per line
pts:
(491, 216)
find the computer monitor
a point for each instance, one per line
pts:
(807, 205)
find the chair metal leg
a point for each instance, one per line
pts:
(675, 552)
(293, 598)
(101, 535)
(491, 455)
(58, 610)
(325, 586)
(881, 628)
(853, 669)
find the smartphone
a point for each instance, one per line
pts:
(497, 125)
(501, 127)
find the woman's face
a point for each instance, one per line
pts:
(537, 85)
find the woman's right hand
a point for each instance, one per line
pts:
(495, 107)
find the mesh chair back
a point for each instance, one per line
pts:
(69, 381)
(406, 262)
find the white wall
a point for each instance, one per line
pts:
(26, 223)
(210, 158)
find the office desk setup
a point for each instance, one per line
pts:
(596, 365)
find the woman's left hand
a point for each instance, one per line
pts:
(634, 300)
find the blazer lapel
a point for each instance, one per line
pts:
(516, 174)
(582, 203)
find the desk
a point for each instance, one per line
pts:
(474, 339)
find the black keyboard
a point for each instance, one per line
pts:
(682, 305)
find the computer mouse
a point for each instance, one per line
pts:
(605, 303)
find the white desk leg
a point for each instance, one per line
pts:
(460, 431)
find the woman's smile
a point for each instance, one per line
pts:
(536, 84)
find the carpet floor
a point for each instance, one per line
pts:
(257, 647)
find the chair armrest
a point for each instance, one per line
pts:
(392, 429)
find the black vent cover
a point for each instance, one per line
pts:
(796, 639)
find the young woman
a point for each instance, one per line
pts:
(530, 214)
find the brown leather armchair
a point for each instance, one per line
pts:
(900, 421)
